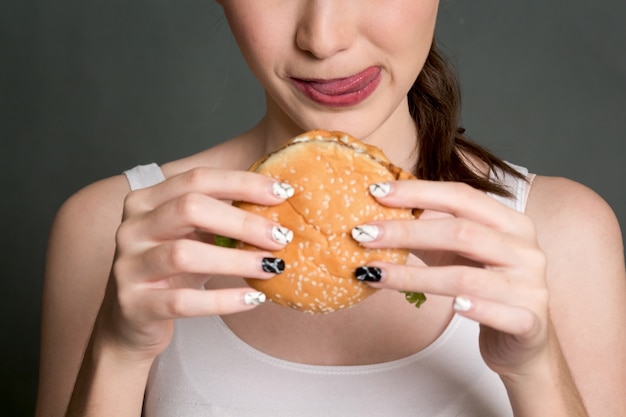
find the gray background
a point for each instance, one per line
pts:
(90, 88)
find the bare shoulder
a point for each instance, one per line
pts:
(586, 277)
(580, 235)
(82, 240)
(571, 216)
(87, 216)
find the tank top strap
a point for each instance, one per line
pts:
(144, 176)
(519, 187)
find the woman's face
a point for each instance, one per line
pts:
(334, 64)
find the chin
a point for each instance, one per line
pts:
(372, 121)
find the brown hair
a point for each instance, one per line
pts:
(435, 104)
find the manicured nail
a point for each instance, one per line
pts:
(254, 298)
(282, 235)
(282, 190)
(368, 274)
(462, 304)
(365, 233)
(273, 265)
(380, 189)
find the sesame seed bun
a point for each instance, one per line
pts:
(331, 173)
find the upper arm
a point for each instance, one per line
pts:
(79, 257)
(587, 281)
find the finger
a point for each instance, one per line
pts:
(460, 200)
(192, 257)
(183, 215)
(511, 319)
(467, 238)
(178, 303)
(451, 281)
(218, 183)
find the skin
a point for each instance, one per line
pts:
(544, 284)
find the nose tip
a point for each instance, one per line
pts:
(323, 32)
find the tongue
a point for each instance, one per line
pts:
(346, 85)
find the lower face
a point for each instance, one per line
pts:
(335, 65)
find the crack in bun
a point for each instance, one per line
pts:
(331, 173)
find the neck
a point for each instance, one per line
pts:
(396, 136)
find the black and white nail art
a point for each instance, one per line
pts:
(365, 233)
(273, 265)
(282, 190)
(368, 274)
(254, 298)
(282, 235)
(380, 189)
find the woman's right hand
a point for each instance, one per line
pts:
(165, 254)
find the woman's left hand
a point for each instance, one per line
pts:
(499, 281)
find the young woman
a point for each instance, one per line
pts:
(524, 275)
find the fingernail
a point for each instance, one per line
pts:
(365, 233)
(282, 235)
(462, 304)
(254, 298)
(282, 190)
(368, 273)
(273, 265)
(380, 189)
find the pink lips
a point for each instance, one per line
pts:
(341, 92)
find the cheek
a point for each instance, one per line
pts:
(405, 26)
(405, 36)
(255, 29)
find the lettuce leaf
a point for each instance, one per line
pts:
(224, 241)
(417, 298)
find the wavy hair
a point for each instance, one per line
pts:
(445, 153)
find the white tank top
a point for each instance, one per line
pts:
(208, 371)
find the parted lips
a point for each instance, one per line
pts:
(331, 173)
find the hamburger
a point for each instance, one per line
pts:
(331, 173)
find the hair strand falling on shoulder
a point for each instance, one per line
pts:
(445, 153)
